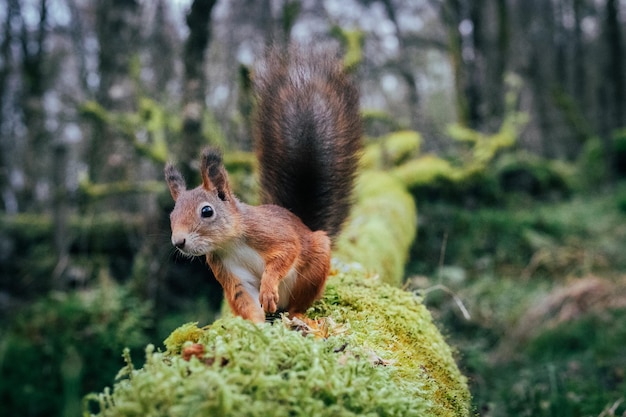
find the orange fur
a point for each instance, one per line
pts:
(307, 130)
(255, 253)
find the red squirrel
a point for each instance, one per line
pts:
(307, 133)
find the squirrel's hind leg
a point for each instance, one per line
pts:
(313, 270)
(243, 304)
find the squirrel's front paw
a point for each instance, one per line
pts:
(269, 299)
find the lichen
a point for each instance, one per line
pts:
(388, 360)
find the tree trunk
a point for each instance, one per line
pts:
(579, 76)
(500, 61)
(60, 214)
(162, 49)
(35, 161)
(404, 66)
(198, 21)
(117, 28)
(77, 34)
(7, 146)
(615, 64)
(451, 16)
(613, 90)
(475, 57)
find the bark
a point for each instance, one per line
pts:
(35, 162)
(198, 21)
(77, 34)
(500, 61)
(60, 214)
(613, 91)
(451, 16)
(579, 76)
(9, 199)
(117, 29)
(162, 49)
(615, 67)
(476, 67)
(404, 65)
(504, 39)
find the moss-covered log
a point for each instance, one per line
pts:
(391, 150)
(377, 353)
(381, 228)
(369, 348)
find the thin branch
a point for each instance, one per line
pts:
(455, 297)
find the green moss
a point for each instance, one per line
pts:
(381, 228)
(154, 122)
(426, 170)
(93, 192)
(396, 325)
(393, 149)
(186, 333)
(383, 357)
(352, 41)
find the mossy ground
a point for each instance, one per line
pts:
(381, 356)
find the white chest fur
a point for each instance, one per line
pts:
(248, 265)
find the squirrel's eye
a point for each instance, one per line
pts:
(206, 211)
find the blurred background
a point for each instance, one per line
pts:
(513, 112)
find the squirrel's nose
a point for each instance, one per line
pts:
(179, 242)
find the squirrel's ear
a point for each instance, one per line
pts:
(175, 181)
(214, 175)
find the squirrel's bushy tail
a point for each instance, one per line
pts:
(307, 130)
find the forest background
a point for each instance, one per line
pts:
(515, 110)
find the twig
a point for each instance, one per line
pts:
(455, 297)
(442, 254)
(610, 411)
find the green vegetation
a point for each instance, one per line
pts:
(530, 247)
(543, 282)
(380, 354)
(377, 352)
(503, 123)
(65, 345)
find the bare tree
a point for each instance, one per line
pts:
(117, 29)
(406, 70)
(612, 93)
(32, 159)
(9, 197)
(615, 63)
(194, 87)
(161, 44)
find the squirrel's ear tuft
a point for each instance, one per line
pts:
(175, 180)
(214, 175)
